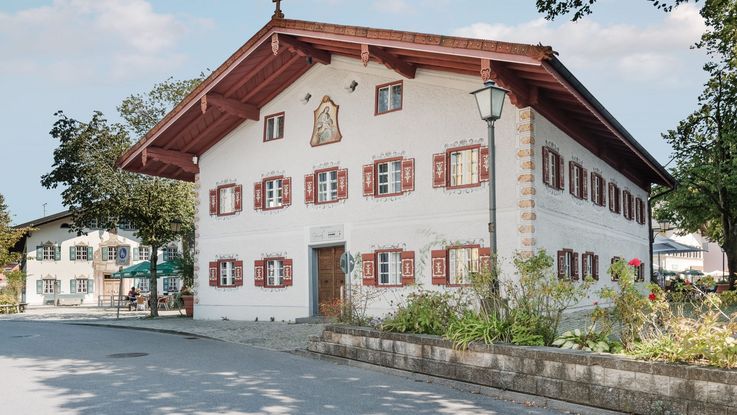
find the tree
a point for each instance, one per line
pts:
(9, 235)
(705, 144)
(581, 8)
(96, 190)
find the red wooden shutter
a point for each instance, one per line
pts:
(408, 267)
(546, 168)
(238, 273)
(439, 267)
(368, 180)
(369, 269)
(484, 164)
(287, 272)
(408, 175)
(595, 267)
(484, 259)
(438, 170)
(213, 280)
(309, 188)
(561, 264)
(342, 184)
(238, 195)
(213, 201)
(584, 264)
(575, 274)
(584, 183)
(258, 272)
(286, 184)
(258, 197)
(561, 176)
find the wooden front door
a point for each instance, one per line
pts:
(330, 278)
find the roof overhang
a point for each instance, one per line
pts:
(283, 50)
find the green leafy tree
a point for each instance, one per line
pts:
(581, 8)
(9, 235)
(96, 190)
(705, 144)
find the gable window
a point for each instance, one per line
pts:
(274, 273)
(579, 180)
(274, 127)
(597, 190)
(615, 204)
(462, 262)
(568, 264)
(389, 268)
(388, 97)
(590, 265)
(273, 191)
(552, 168)
(627, 205)
(390, 177)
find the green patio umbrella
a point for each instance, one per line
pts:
(143, 270)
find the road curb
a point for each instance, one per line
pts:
(164, 331)
(515, 397)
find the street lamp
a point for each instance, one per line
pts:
(176, 226)
(490, 100)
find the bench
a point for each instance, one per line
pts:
(69, 299)
(9, 308)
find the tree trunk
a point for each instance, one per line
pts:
(731, 265)
(153, 300)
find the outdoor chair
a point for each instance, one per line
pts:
(163, 301)
(140, 303)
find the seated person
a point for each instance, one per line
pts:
(132, 294)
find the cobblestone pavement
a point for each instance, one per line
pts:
(267, 335)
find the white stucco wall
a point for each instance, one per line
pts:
(437, 113)
(65, 269)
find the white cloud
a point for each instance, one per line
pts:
(73, 40)
(392, 6)
(658, 53)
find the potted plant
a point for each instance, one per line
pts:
(187, 296)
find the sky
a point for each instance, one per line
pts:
(81, 56)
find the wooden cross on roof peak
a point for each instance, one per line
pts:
(277, 12)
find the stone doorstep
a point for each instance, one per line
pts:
(526, 370)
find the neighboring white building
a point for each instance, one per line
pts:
(59, 264)
(710, 260)
(314, 139)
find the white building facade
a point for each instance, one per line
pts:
(60, 265)
(386, 159)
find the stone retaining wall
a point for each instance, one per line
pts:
(599, 380)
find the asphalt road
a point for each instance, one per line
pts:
(53, 368)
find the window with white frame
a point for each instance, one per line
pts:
(144, 284)
(144, 253)
(81, 285)
(226, 199)
(49, 286)
(390, 177)
(273, 190)
(464, 167)
(552, 172)
(227, 273)
(274, 127)
(390, 270)
(577, 180)
(327, 186)
(388, 97)
(597, 190)
(274, 272)
(80, 253)
(566, 265)
(171, 284)
(49, 252)
(171, 252)
(462, 262)
(112, 253)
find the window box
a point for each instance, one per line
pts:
(326, 186)
(226, 200)
(568, 264)
(452, 266)
(553, 169)
(389, 177)
(461, 167)
(598, 195)
(273, 272)
(388, 268)
(578, 177)
(272, 193)
(388, 97)
(226, 273)
(274, 127)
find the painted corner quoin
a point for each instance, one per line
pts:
(526, 180)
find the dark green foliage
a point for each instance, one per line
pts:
(581, 8)
(425, 312)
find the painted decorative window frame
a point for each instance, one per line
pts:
(378, 269)
(317, 186)
(282, 205)
(266, 123)
(458, 247)
(448, 168)
(266, 272)
(388, 85)
(376, 176)
(217, 192)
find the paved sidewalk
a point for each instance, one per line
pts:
(268, 335)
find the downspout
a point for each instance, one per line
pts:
(650, 224)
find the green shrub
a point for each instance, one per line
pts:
(589, 340)
(728, 298)
(425, 312)
(7, 297)
(630, 306)
(474, 327)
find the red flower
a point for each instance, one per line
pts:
(652, 297)
(635, 262)
(688, 282)
(596, 303)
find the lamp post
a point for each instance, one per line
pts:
(490, 100)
